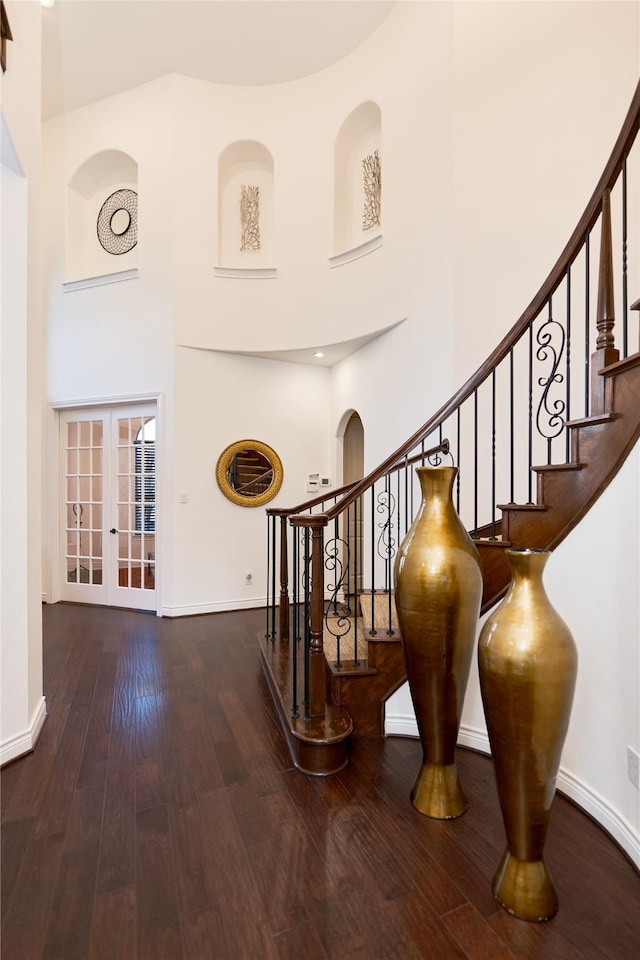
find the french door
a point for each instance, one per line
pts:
(108, 501)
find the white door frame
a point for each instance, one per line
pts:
(52, 492)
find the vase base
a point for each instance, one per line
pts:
(438, 793)
(525, 889)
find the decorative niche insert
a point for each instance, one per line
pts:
(245, 211)
(101, 242)
(358, 184)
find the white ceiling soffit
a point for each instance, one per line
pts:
(92, 49)
(332, 353)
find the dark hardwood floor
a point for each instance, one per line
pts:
(160, 817)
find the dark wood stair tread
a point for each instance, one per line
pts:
(522, 506)
(591, 421)
(558, 467)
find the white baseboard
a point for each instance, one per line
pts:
(569, 785)
(196, 609)
(602, 812)
(24, 742)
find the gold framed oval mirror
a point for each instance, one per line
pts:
(249, 473)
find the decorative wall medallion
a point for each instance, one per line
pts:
(118, 222)
(372, 179)
(250, 217)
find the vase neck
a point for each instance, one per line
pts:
(527, 565)
(436, 484)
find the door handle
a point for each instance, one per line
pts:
(113, 530)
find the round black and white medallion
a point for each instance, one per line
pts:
(118, 222)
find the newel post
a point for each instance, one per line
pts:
(605, 352)
(283, 621)
(317, 667)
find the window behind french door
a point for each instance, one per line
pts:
(108, 492)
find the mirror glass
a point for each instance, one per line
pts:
(249, 473)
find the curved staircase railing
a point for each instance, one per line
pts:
(537, 433)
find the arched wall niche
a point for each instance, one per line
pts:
(245, 163)
(95, 180)
(359, 137)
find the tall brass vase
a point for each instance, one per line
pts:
(438, 592)
(528, 663)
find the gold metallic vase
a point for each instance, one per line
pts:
(528, 663)
(438, 591)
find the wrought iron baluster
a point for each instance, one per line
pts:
(412, 475)
(296, 584)
(296, 624)
(307, 619)
(458, 460)
(356, 601)
(587, 310)
(398, 520)
(530, 429)
(373, 562)
(493, 454)
(512, 480)
(568, 368)
(406, 492)
(475, 462)
(625, 302)
(337, 554)
(550, 413)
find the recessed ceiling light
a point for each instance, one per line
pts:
(47, 3)
(319, 354)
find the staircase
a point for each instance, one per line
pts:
(537, 433)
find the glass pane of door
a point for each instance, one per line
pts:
(135, 441)
(83, 507)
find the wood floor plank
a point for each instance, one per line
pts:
(113, 928)
(314, 872)
(475, 936)
(72, 907)
(117, 858)
(158, 925)
(24, 928)
(299, 942)
(229, 882)
(203, 936)
(186, 839)
(16, 836)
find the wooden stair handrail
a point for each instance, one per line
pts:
(571, 251)
(442, 447)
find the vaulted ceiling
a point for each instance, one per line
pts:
(95, 48)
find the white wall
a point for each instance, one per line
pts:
(220, 399)
(23, 706)
(540, 93)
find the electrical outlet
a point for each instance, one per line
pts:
(633, 763)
